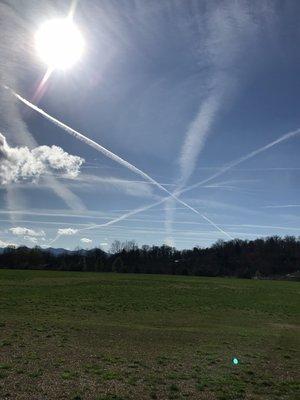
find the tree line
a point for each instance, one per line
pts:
(270, 257)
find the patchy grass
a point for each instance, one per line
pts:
(88, 336)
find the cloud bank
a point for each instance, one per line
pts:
(23, 164)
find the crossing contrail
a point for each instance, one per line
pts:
(124, 216)
(224, 169)
(100, 148)
(145, 208)
(109, 154)
(131, 167)
(136, 211)
(240, 160)
(114, 221)
(216, 226)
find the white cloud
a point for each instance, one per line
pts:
(86, 240)
(24, 164)
(169, 241)
(20, 231)
(104, 244)
(31, 239)
(67, 231)
(5, 244)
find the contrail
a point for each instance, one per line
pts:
(216, 226)
(113, 221)
(145, 208)
(139, 210)
(194, 142)
(224, 169)
(234, 163)
(102, 149)
(12, 200)
(24, 138)
(97, 147)
(73, 201)
(283, 206)
(224, 49)
(124, 216)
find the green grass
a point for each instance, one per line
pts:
(87, 336)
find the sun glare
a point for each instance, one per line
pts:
(59, 43)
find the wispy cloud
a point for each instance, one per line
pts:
(160, 221)
(229, 30)
(60, 213)
(71, 199)
(70, 214)
(39, 222)
(88, 182)
(214, 235)
(129, 187)
(275, 169)
(14, 201)
(284, 206)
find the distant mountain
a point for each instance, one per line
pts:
(58, 251)
(55, 251)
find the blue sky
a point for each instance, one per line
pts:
(177, 88)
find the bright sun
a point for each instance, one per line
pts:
(59, 43)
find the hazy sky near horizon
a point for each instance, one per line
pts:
(177, 88)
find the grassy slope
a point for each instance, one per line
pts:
(67, 335)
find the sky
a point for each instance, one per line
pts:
(182, 90)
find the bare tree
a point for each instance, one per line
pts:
(116, 247)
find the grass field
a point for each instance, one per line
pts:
(66, 335)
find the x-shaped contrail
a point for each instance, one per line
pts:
(113, 157)
(136, 170)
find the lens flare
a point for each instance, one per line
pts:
(59, 43)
